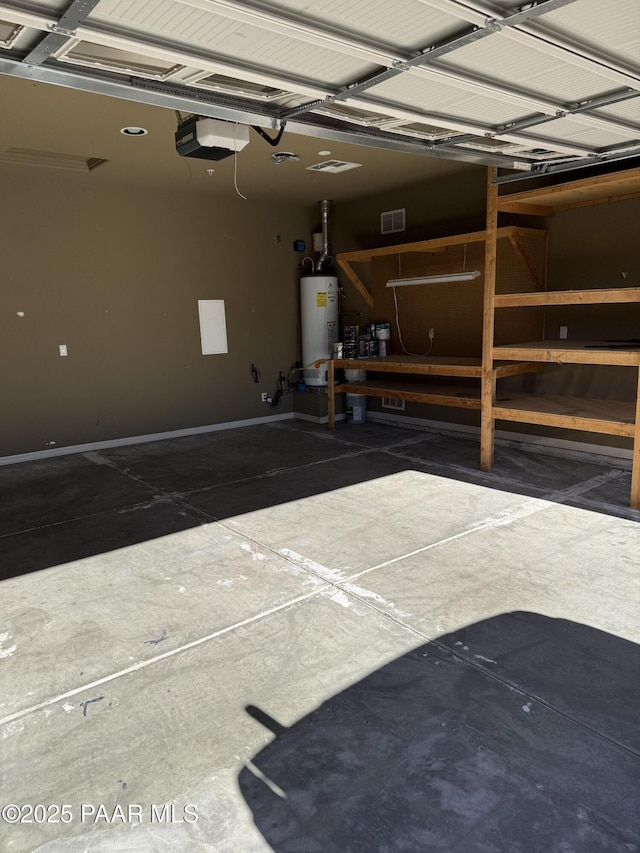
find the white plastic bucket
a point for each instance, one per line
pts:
(356, 405)
(355, 375)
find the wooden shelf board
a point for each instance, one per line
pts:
(600, 189)
(569, 297)
(469, 368)
(438, 244)
(516, 368)
(611, 417)
(425, 365)
(465, 397)
(568, 352)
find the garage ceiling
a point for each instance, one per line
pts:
(539, 88)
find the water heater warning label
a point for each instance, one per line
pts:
(321, 300)
(332, 331)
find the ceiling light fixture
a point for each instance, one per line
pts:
(434, 279)
(134, 131)
(284, 157)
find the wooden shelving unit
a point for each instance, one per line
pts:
(465, 395)
(393, 374)
(405, 377)
(608, 417)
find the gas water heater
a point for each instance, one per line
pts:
(319, 311)
(319, 319)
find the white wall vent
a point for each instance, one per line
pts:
(392, 221)
(333, 166)
(389, 403)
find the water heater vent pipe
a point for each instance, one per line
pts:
(324, 209)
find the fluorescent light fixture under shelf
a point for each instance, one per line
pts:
(434, 279)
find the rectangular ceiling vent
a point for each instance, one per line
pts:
(392, 221)
(9, 33)
(333, 166)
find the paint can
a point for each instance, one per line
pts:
(337, 350)
(350, 334)
(363, 351)
(383, 331)
(349, 350)
(372, 349)
(382, 348)
(356, 405)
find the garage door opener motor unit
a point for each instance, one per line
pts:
(210, 138)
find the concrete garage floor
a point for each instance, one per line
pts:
(279, 638)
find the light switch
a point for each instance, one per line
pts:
(63, 349)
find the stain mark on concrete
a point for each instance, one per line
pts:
(163, 636)
(84, 705)
(486, 660)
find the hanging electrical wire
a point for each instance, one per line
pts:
(266, 136)
(395, 302)
(404, 349)
(235, 164)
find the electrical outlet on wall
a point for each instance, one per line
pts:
(563, 332)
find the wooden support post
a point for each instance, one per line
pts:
(635, 471)
(488, 393)
(331, 394)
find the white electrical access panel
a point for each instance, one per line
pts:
(213, 326)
